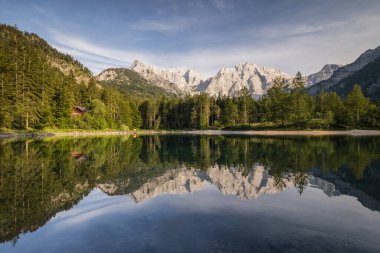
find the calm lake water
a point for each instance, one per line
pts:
(190, 194)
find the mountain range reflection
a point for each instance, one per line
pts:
(230, 181)
(41, 177)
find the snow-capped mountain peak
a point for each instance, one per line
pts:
(228, 81)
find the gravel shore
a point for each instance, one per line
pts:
(282, 133)
(193, 132)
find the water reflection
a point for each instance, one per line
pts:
(44, 176)
(227, 180)
(230, 181)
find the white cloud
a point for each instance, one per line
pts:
(155, 25)
(79, 44)
(95, 56)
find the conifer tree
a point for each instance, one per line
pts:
(279, 105)
(300, 101)
(357, 104)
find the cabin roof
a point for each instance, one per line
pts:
(81, 108)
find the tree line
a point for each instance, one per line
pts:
(281, 107)
(36, 94)
(39, 89)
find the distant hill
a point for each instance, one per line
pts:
(364, 71)
(368, 78)
(22, 46)
(131, 83)
(39, 85)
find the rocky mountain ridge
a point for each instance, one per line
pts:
(133, 83)
(179, 81)
(257, 79)
(228, 180)
(227, 82)
(340, 79)
(325, 73)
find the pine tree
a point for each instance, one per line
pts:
(357, 104)
(300, 101)
(137, 121)
(278, 100)
(244, 99)
(204, 111)
(148, 110)
(229, 113)
(93, 90)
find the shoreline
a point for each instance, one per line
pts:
(12, 135)
(285, 132)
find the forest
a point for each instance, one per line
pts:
(40, 88)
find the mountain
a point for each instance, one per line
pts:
(364, 71)
(228, 81)
(39, 85)
(173, 80)
(132, 83)
(16, 44)
(368, 78)
(231, 181)
(325, 73)
(228, 180)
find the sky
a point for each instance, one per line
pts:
(289, 35)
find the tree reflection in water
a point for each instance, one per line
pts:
(41, 177)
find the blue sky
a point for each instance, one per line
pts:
(289, 35)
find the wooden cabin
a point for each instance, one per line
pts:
(79, 111)
(78, 156)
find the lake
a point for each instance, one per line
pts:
(183, 193)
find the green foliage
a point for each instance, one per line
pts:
(130, 83)
(229, 112)
(321, 121)
(244, 105)
(357, 105)
(39, 89)
(36, 91)
(96, 118)
(300, 102)
(148, 110)
(368, 78)
(299, 82)
(279, 106)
